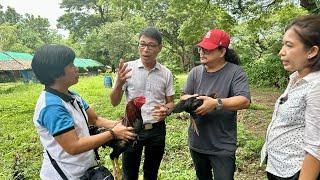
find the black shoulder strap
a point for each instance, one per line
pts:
(96, 149)
(55, 165)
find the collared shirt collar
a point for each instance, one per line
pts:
(312, 76)
(309, 77)
(140, 65)
(63, 96)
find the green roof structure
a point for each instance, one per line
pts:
(85, 63)
(15, 61)
(22, 61)
(17, 55)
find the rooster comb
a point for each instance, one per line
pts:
(139, 101)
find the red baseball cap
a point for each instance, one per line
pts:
(215, 38)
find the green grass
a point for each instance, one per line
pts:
(255, 106)
(21, 151)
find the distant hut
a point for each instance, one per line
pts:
(14, 65)
(89, 66)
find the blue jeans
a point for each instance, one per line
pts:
(153, 141)
(223, 166)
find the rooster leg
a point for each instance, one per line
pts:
(118, 175)
(114, 168)
(194, 126)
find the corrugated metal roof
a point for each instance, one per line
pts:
(21, 61)
(84, 63)
(15, 65)
(4, 57)
(15, 55)
(18, 55)
(15, 61)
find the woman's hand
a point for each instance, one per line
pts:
(209, 104)
(123, 132)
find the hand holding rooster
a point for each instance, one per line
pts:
(209, 104)
(124, 133)
(160, 112)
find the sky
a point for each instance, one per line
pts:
(49, 9)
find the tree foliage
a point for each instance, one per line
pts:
(24, 33)
(113, 41)
(312, 6)
(107, 30)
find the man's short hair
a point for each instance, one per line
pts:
(49, 61)
(153, 33)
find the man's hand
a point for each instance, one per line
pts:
(123, 73)
(209, 104)
(160, 112)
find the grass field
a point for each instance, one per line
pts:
(20, 149)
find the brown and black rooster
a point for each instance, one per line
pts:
(132, 118)
(190, 105)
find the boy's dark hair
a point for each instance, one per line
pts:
(49, 61)
(153, 33)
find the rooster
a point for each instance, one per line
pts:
(190, 105)
(132, 118)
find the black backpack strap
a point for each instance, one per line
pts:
(55, 165)
(84, 116)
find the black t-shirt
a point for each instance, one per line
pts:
(218, 128)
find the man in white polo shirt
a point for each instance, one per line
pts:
(146, 77)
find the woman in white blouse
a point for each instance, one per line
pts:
(292, 146)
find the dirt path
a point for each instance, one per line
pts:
(257, 121)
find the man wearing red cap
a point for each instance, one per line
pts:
(215, 146)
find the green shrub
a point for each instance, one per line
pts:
(267, 72)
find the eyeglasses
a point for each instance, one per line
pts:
(148, 46)
(204, 51)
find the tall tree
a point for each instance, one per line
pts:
(9, 16)
(24, 33)
(183, 23)
(113, 41)
(81, 17)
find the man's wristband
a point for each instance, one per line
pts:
(112, 133)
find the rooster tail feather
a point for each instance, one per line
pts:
(194, 126)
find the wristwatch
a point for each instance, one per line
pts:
(219, 104)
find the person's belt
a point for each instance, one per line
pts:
(152, 125)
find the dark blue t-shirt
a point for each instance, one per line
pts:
(218, 128)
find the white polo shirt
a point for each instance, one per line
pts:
(155, 85)
(56, 115)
